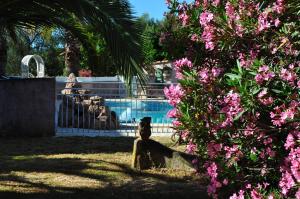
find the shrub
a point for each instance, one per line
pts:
(237, 101)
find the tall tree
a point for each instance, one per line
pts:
(112, 19)
(72, 53)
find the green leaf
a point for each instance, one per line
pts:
(239, 66)
(253, 157)
(253, 73)
(239, 115)
(233, 76)
(276, 91)
(255, 91)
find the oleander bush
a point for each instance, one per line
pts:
(237, 101)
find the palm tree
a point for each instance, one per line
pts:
(72, 53)
(112, 19)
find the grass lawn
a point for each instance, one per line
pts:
(82, 168)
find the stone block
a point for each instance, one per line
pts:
(149, 153)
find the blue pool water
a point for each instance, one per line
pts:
(130, 111)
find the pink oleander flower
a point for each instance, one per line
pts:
(206, 17)
(294, 158)
(278, 6)
(239, 195)
(225, 181)
(184, 18)
(298, 84)
(276, 22)
(180, 65)
(281, 114)
(214, 183)
(213, 149)
(197, 3)
(231, 107)
(216, 2)
(255, 194)
(216, 71)
(191, 147)
(185, 134)
(268, 141)
(262, 93)
(263, 99)
(264, 74)
(195, 38)
(230, 12)
(173, 113)
(174, 94)
(184, 62)
(286, 183)
(248, 186)
(263, 21)
(290, 142)
(208, 37)
(298, 194)
(176, 123)
(288, 75)
(239, 30)
(212, 170)
(231, 150)
(270, 152)
(204, 75)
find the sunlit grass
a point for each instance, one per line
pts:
(85, 168)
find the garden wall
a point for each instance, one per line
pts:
(27, 107)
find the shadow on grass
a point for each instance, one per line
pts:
(63, 145)
(116, 180)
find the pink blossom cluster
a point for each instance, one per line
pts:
(208, 37)
(195, 38)
(183, 16)
(281, 114)
(264, 99)
(174, 94)
(207, 75)
(191, 147)
(180, 65)
(267, 18)
(232, 151)
(290, 49)
(234, 18)
(239, 195)
(264, 21)
(278, 6)
(208, 33)
(184, 135)
(241, 131)
(291, 168)
(206, 17)
(213, 149)
(289, 75)
(231, 107)
(264, 74)
(247, 61)
(174, 113)
(211, 169)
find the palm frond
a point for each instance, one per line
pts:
(112, 19)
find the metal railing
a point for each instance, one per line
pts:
(108, 108)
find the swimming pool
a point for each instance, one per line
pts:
(133, 110)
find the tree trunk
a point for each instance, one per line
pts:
(3, 55)
(72, 54)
